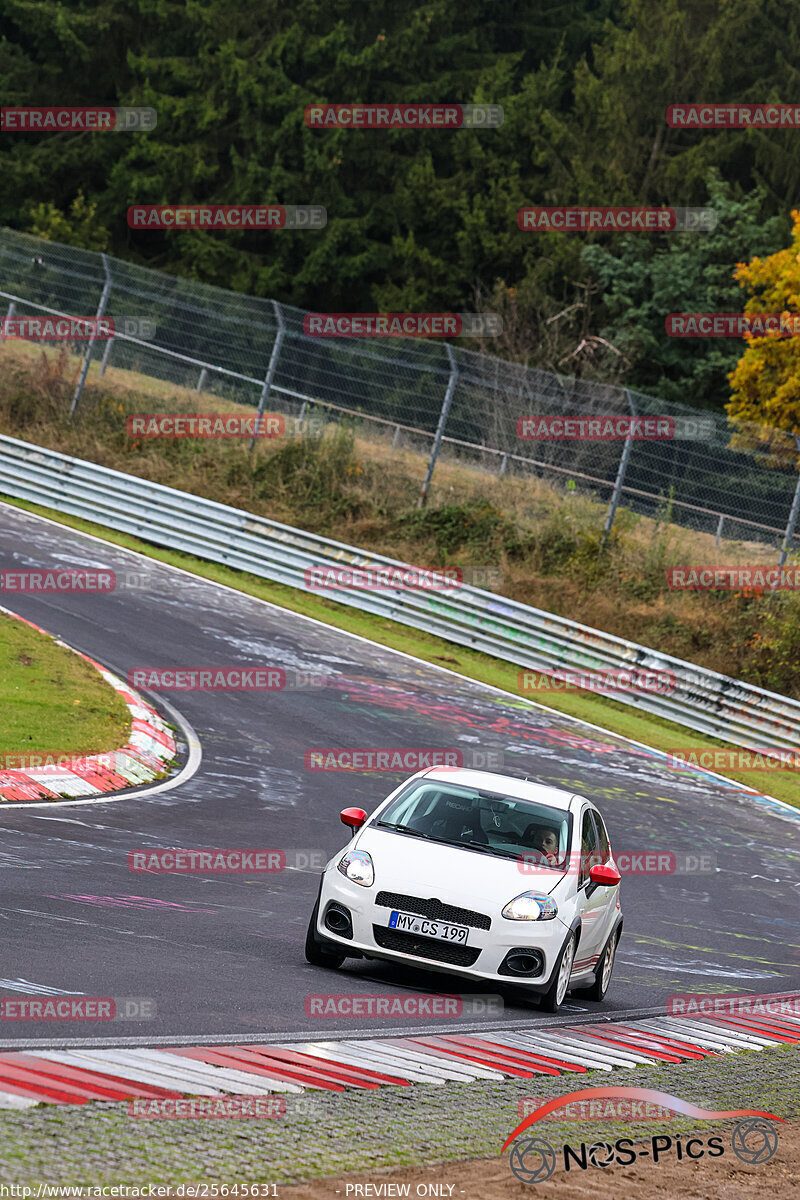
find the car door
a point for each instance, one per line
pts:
(596, 905)
(610, 894)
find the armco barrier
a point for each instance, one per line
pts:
(702, 700)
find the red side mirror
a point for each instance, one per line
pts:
(605, 876)
(354, 818)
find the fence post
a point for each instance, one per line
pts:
(106, 356)
(720, 523)
(787, 541)
(87, 358)
(12, 308)
(437, 441)
(621, 473)
(503, 465)
(273, 364)
(395, 438)
(201, 383)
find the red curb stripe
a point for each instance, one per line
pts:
(702, 1051)
(625, 1044)
(498, 1062)
(256, 1066)
(347, 1074)
(759, 1028)
(523, 1055)
(644, 1038)
(21, 786)
(38, 1086)
(140, 726)
(114, 1084)
(332, 1065)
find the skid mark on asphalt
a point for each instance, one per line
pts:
(678, 961)
(131, 902)
(34, 989)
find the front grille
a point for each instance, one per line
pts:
(422, 947)
(434, 910)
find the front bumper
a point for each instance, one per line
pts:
(487, 948)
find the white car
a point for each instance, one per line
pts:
(477, 874)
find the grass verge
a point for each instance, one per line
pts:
(598, 710)
(51, 700)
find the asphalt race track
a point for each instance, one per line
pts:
(223, 954)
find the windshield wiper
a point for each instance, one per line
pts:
(429, 837)
(487, 849)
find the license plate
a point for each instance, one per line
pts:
(443, 930)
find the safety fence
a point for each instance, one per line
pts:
(733, 481)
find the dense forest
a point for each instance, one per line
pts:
(426, 220)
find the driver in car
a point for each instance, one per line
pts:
(543, 839)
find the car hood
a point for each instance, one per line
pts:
(452, 874)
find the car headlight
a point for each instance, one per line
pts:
(530, 907)
(357, 866)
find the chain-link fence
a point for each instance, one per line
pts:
(733, 481)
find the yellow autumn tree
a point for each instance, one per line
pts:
(766, 381)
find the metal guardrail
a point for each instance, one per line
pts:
(701, 700)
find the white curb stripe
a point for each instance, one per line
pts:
(89, 1061)
(241, 1082)
(624, 1053)
(386, 1064)
(446, 1067)
(595, 1054)
(746, 1036)
(424, 1054)
(719, 1039)
(739, 1037)
(12, 1100)
(731, 1037)
(176, 1069)
(554, 1049)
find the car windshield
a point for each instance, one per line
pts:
(482, 821)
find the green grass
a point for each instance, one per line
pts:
(598, 710)
(51, 700)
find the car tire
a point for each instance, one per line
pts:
(318, 952)
(605, 966)
(553, 998)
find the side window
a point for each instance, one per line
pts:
(588, 846)
(603, 847)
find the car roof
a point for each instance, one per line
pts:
(508, 785)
